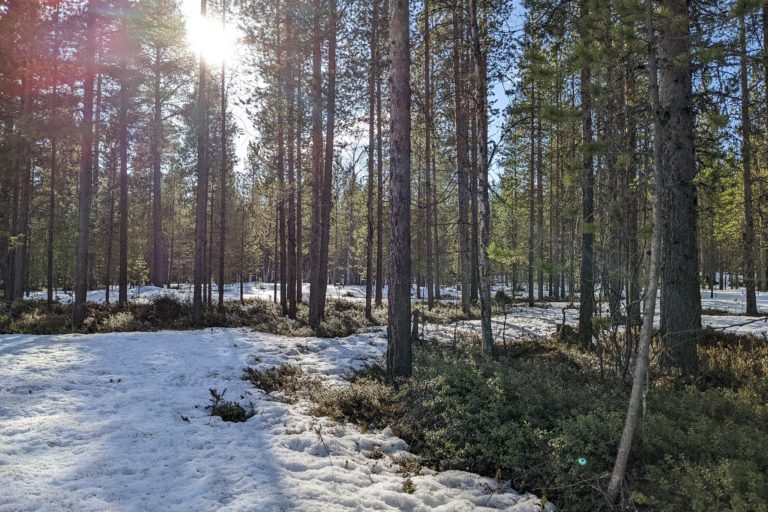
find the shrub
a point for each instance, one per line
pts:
(543, 418)
(287, 379)
(229, 410)
(367, 403)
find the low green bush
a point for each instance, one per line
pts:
(541, 415)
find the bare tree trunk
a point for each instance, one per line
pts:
(540, 200)
(201, 199)
(282, 194)
(299, 187)
(51, 216)
(379, 182)
(371, 177)
(634, 258)
(316, 288)
(110, 197)
(680, 295)
(86, 162)
(223, 169)
(156, 270)
(123, 141)
(587, 297)
(209, 247)
(531, 197)
(435, 234)
(399, 298)
(325, 208)
(481, 99)
(462, 161)
(641, 365)
(54, 161)
(25, 191)
(746, 161)
(291, 211)
(428, 160)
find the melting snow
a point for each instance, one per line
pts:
(94, 423)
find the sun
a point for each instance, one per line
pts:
(206, 37)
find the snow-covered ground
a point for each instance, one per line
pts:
(95, 423)
(251, 290)
(523, 322)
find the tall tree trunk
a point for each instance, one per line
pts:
(641, 364)
(25, 190)
(680, 296)
(531, 196)
(587, 285)
(462, 160)
(201, 194)
(481, 100)
(540, 200)
(371, 149)
(156, 270)
(746, 162)
(282, 194)
(86, 162)
(399, 297)
(315, 302)
(223, 169)
(52, 200)
(299, 189)
(123, 141)
(428, 160)
(634, 258)
(110, 228)
(435, 234)
(291, 206)
(475, 282)
(379, 182)
(320, 285)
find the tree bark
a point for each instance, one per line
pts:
(122, 276)
(379, 182)
(315, 304)
(299, 190)
(158, 264)
(481, 100)
(25, 191)
(462, 161)
(746, 162)
(680, 298)
(201, 194)
(531, 196)
(587, 297)
(641, 365)
(399, 297)
(540, 201)
(428, 161)
(371, 149)
(223, 170)
(291, 206)
(86, 163)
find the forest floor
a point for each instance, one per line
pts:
(119, 422)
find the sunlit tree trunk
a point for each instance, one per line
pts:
(481, 99)
(399, 298)
(462, 160)
(86, 162)
(746, 162)
(201, 194)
